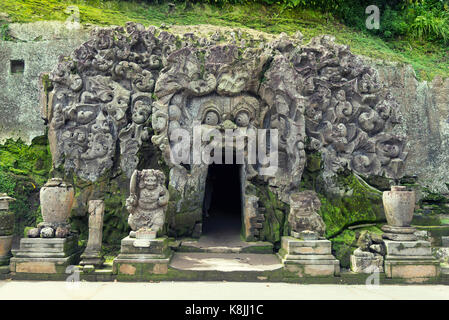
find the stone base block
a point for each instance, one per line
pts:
(367, 264)
(410, 260)
(141, 257)
(408, 248)
(309, 257)
(43, 265)
(92, 258)
(313, 268)
(294, 246)
(5, 249)
(412, 269)
(38, 255)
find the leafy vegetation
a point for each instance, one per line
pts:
(24, 169)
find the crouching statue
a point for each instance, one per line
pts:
(147, 202)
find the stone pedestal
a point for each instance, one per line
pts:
(366, 262)
(5, 249)
(399, 233)
(142, 256)
(39, 255)
(410, 260)
(309, 257)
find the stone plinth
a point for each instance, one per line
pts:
(309, 257)
(366, 262)
(139, 257)
(5, 249)
(39, 255)
(410, 260)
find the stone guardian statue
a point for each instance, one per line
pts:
(147, 203)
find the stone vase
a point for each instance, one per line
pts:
(399, 205)
(56, 201)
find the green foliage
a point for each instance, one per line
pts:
(23, 170)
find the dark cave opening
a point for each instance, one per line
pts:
(222, 202)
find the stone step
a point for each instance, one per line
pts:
(234, 247)
(225, 262)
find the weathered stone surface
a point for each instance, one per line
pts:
(424, 109)
(5, 249)
(412, 269)
(308, 257)
(92, 253)
(304, 208)
(34, 233)
(48, 232)
(56, 199)
(410, 260)
(366, 262)
(320, 90)
(153, 257)
(62, 232)
(39, 255)
(147, 202)
(38, 45)
(408, 248)
(445, 241)
(399, 205)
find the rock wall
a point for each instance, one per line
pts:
(424, 107)
(32, 49)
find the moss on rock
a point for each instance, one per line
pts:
(24, 169)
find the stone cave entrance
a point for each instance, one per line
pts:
(222, 207)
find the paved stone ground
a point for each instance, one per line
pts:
(225, 262)
(213, 291)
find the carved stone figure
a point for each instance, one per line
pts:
(148, 201)
(304, 207)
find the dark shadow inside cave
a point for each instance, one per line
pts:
(222, 206)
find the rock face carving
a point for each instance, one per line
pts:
(348, 113)
(319, 97)
(148, 201)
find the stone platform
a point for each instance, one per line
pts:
(141, 257)
(48, 256)
(225, 262)
(309, 257)
(410, 260)
(208, 245)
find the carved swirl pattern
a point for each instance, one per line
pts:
(124, 80)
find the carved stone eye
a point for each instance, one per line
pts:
(242, 119)
(211, 118)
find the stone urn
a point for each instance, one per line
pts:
(56, 201)
(6, 228)
(399, 205)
